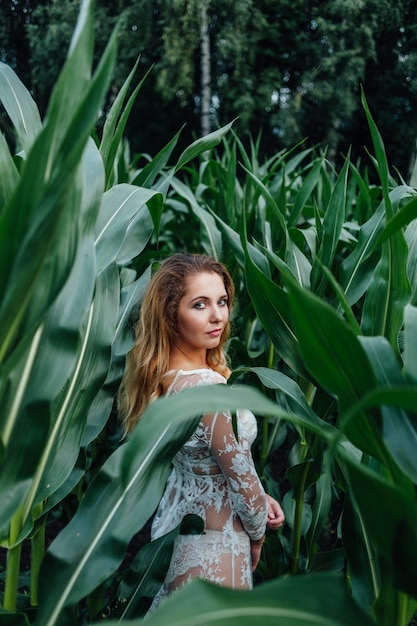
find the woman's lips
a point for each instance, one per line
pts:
(215, 333)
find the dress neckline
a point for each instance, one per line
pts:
(183, 371)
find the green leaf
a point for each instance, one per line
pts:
(399, 431)
(303, 195)
(115, 123)
(122, 205)
(396, 538)
(270, 203)
(273, 310)
(332, 226)
(320, 507)
(202, 145)
(146, 177)
(296, 400)
(9, 176)
(55, 352)
(407, 214)
(336, 359)
(356, 270)
(380, 156)
(361, 555)
(146, 574)
(209, 231)
(102, 404)
(20, 107)
(389, 291)
(38, 228)
(411, 239)
(410, 341)
(72, 405)
(326, 601)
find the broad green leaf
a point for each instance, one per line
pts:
(147, 571)
(20, 107)
(410, 342)
(72, 405)
(407, 214)
(270, 204)
(304, 194)
(38, 227)
(210, 234)
(399, 431)
(320, 507)
(332, 227)
(296, 400)
(13, 619)
(235, 246)
(357, 268)
(202, 145)
(115, 124)
(335, 358)
(411, 239)
(361, 557)
(381, 157)
(40, 263)
(392, 606)
(147, 175)
(377, 499)
(305, 600)
(303, 474)
(21, 445)
(304, 514)
(273, 310)
(389, 291)
(9, 176)
(56, 348)
(297, 262)
(73, 81)
(102, 404)
(120, 206)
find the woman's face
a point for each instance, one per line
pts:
(202, 313)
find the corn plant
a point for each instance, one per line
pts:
(68, 232)
(325, 327)
(328, 263)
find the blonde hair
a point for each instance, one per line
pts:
(156, 332)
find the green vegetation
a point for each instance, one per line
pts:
(292, 68)
(324, 340)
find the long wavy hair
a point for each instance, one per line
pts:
(156, 332)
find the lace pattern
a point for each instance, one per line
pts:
(213, 476)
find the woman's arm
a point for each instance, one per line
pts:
(235, 461)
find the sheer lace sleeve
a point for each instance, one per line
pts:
(235, 460)
(231, 456)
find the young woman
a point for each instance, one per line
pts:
(180, 337)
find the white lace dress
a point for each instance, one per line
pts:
(213, 476)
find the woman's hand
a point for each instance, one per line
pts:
(275, 520)
(276, 516)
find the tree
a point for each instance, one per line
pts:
(289, 68)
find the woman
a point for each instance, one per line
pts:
(180, 338)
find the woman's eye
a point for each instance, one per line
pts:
(199, 305)
(223, 302)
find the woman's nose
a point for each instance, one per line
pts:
(216, 313)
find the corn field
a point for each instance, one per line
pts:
(323, 350)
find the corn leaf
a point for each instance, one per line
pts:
(20, 107)
(325, 600)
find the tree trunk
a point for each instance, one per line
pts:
(205, 72)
